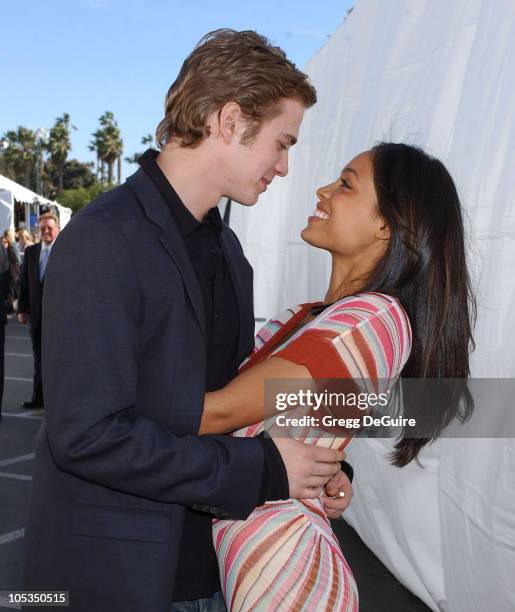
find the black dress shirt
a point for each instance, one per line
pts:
(197, 571)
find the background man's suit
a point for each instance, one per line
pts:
(124, 373)
(30, 302)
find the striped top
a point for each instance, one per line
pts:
(284, 556)
(367, 335)
(364, 337)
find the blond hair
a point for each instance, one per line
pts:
(230, 66)
(49, 215)
(25, 235)
(8, 235)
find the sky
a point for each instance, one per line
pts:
(85, 57)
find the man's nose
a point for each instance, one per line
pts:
(281, 167)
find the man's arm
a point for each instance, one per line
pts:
(242, 403)
(91, 353)
(23, 293)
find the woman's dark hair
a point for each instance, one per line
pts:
(425, 268)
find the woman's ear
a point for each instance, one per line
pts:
(383, 232)
(229, 120)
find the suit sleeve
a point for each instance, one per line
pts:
(91, 349)
(23, 287)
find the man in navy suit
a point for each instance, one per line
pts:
(148, 304)
(31, 296)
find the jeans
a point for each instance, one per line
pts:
(209, 604)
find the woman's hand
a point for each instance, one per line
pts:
(333, 502)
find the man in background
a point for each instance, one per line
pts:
(31, 296)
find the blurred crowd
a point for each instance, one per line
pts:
(23, 258)
(11, 259)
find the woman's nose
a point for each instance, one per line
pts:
(323, 192)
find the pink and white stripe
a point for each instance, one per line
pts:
(285, 557)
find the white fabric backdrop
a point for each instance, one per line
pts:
(6, 210)
(442, 75)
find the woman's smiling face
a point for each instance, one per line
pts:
(346, 220)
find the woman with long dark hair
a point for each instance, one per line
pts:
(398, 306)
(425, 268)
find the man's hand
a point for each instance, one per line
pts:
(334, 503)
(23, 317)
(309, 467)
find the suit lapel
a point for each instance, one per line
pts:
(174, 245)
(35, 267)
(157, 211)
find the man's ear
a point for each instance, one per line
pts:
(229, 121)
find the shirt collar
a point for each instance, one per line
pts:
(185, 221)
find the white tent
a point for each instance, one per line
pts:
(10, 191)
(6, 209)
(438, 74)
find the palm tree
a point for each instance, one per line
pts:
(59, 145)
(20, 155)
(108, 144)
(146, 141)
(98, 145)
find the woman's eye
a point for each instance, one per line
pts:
(282, 147)
(345, 183)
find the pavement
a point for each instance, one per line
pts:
(379, 591)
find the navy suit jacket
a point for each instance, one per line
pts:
(5, 281)
(31, 289)
(124, 360)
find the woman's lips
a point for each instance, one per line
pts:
(319, 215)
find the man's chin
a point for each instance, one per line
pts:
(249, 201)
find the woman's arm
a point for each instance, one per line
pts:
(348, 345)
(242, 401)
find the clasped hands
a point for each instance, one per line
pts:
(314, 471)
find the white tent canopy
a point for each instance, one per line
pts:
(21, 193)
(437, 74)
(6, 210)
(10, 190)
